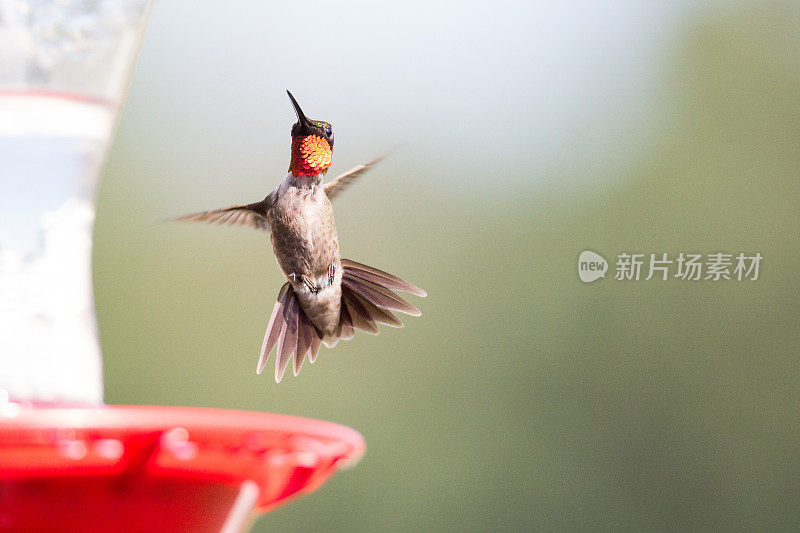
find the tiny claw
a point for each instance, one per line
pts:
(309, 283)
(331, 273)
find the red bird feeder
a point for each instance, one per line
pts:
(158, 468)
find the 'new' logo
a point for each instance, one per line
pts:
(591, 266)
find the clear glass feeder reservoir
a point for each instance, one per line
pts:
(64, 71)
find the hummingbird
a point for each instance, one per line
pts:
(325, 297)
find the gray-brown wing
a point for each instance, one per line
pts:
(253, 215)
(342, 181)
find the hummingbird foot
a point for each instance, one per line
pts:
(308, 282)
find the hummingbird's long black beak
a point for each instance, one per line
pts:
(300, 115)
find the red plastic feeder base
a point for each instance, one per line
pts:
(119, 468)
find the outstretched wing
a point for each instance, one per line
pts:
(342, 181)
(253, 215)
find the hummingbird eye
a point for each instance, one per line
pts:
(328, 131)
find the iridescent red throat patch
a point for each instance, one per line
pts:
(311, 155)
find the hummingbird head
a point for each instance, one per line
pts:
(312, 144)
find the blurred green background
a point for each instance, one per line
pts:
(522, 398)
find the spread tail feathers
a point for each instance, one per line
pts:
(368, 299)
(290, 329)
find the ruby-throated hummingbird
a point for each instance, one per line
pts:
(325, 297)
